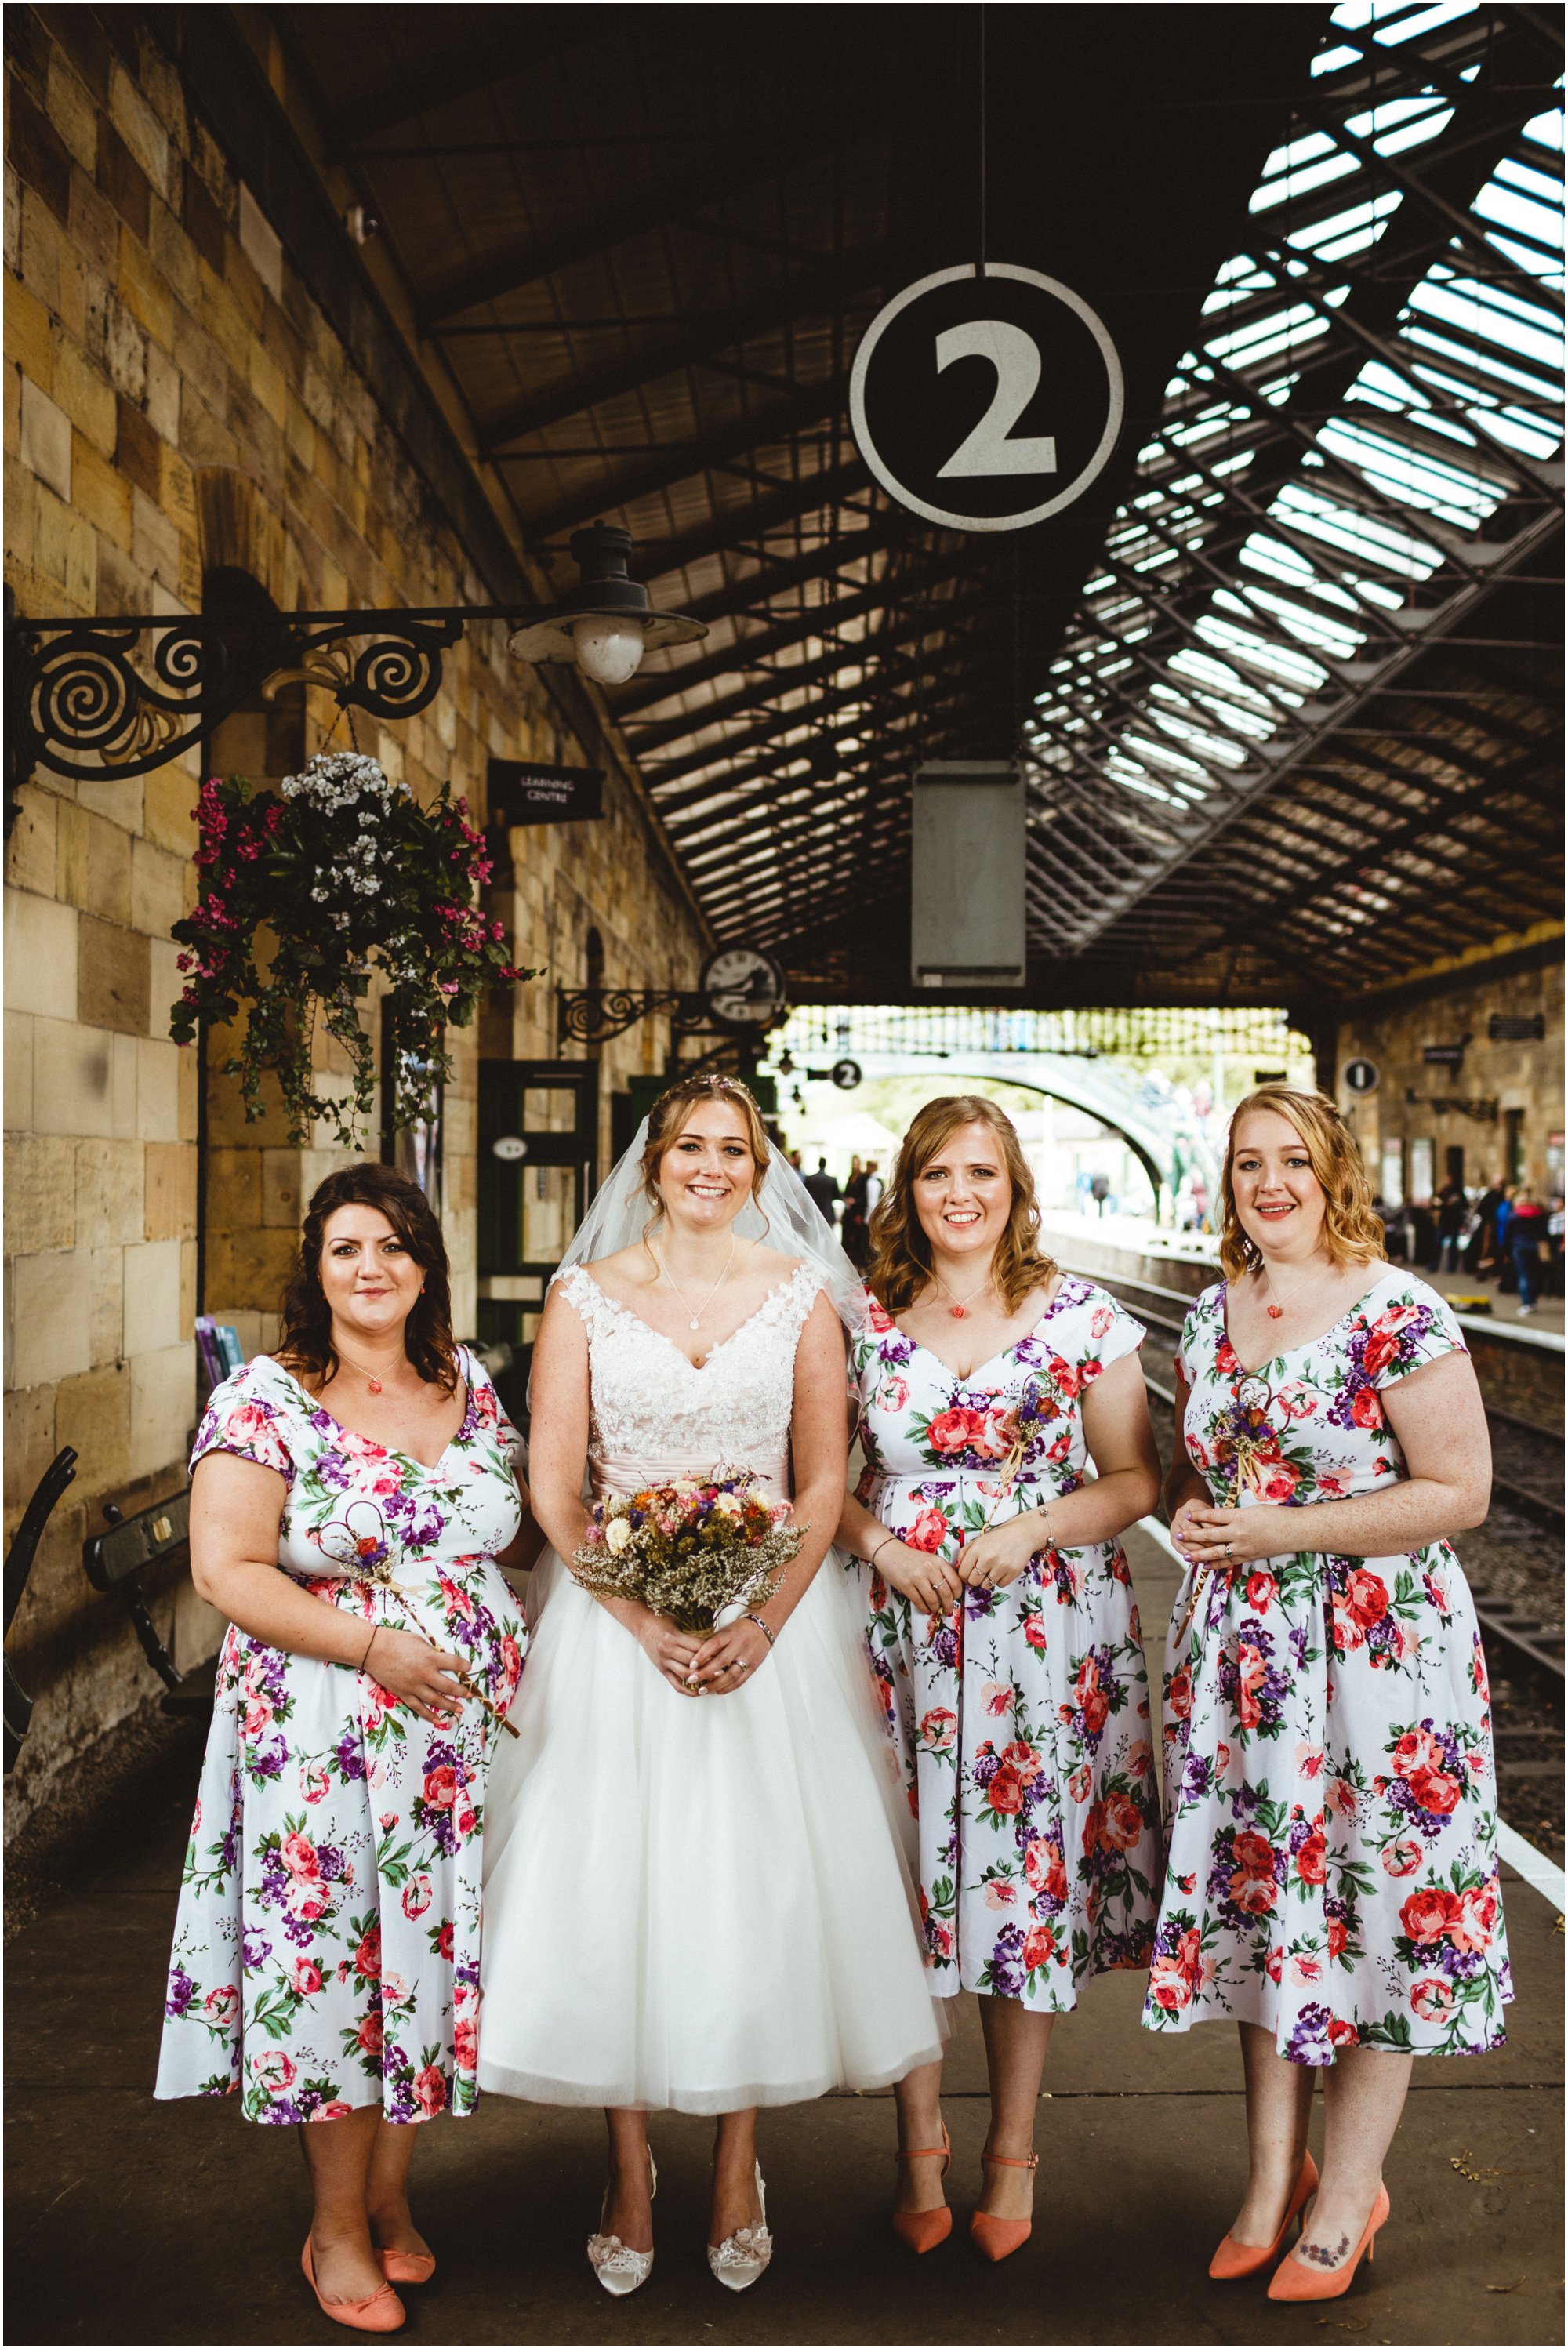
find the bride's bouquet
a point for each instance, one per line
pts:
(694, 1549)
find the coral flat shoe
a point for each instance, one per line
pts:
(998, 2239)
(1294, 2280)
(382, 2312)
(1232, 2258)
(924, 2229)
(408, 2267)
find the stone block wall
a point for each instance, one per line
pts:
(175, 402)
(1524, 1079)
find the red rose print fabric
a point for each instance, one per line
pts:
(327, 1944)
(1021, 1720)
(1329, 1789)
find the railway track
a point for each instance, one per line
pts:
(1513, 1562)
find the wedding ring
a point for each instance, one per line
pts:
(1229, 1549)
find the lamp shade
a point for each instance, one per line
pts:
(605, 623)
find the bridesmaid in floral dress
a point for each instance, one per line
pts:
(349, 1499)
(1331, 1881)
(1001, 1623)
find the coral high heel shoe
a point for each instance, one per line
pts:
(924, 2229)
(998, 2239)
(382, 2312)
(1232, 2258)
(1293, 2280)
(408, 2267)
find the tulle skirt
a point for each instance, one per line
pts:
(698, 1905)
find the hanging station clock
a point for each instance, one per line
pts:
(743, 988)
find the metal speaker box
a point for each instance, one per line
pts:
(966, 925)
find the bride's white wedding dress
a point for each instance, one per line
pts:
(697, 1904)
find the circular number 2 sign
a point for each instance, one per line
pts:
(986, 402)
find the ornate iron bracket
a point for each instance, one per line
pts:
(1484, 1113)
(115, 697)
(591, 1015)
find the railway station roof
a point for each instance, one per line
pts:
(1286, 681)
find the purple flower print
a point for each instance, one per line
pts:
(181, 1991)
(1309, 2041)
(1006, 1969)
(349, 1755)
(1197, 1775)
(255, 1949)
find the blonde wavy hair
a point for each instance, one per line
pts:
(1352, 1231)
(668, 1115)
(901, 1253)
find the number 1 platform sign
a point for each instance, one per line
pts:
(986, 400)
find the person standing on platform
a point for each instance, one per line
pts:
(853, 1231)
(351, 1497)
(1001, 1624)
(1331, 1879)
(701, 1906)
(1452, 1213)
(1525, 1247)
(1482, 1248)
(824, 1190)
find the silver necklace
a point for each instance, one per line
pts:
(712, 1293)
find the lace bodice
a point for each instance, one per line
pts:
(649, 1404)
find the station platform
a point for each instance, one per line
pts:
(137, 2223)
(1519, 1363)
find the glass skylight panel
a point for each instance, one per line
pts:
(1511, 209)
(1422, 431)
(1411, 27)
(1299, 183)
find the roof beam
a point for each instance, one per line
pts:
(748, 163)
(773, 428)
(740, 528)
(810, 673)
(821, 622)
(795, 298)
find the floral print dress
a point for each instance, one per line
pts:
(1021, 1718)
(1329, 1792)
(327, 1943)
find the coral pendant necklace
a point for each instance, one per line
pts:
(960, 1306)
(1276, 1312)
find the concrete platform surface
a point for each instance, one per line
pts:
(135, 2223)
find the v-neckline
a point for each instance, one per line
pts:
(388, 1451)
(962, 1378)
(664, 1335)
(1303, 1345)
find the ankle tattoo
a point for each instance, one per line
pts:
(1321, 2256)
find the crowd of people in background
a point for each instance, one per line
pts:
(1505, 1233)
(850, 1205)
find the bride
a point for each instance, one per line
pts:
(695, 1893)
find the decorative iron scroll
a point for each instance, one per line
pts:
(113, 698)
(591, 1015)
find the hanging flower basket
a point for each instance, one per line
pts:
(339, 865)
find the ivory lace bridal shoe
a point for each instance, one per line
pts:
(619, 2267)
(740, 2258)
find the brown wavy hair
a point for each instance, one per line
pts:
(901, 1253)
(305, 1343)
(668, 1115)
(1352, 1231)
